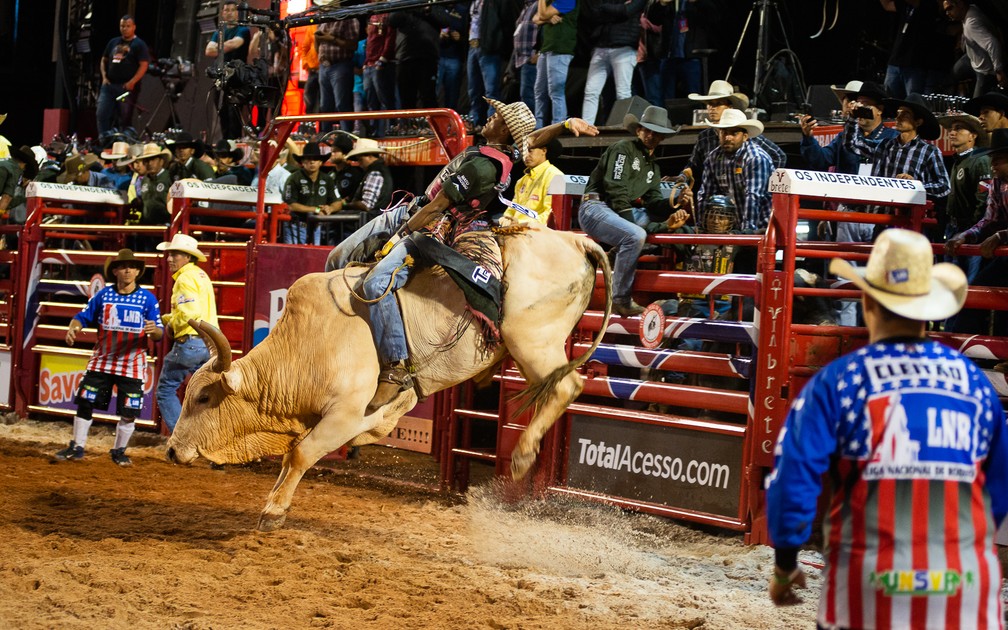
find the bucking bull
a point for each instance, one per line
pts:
(302, 392)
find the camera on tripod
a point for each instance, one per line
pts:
(174, 73)
(243, 82)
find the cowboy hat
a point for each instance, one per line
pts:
(182, 243)
(722, 89)
(125, 257)
(851, 89)
(227, 148)
(970, 122)
(874, 91)
(152, 150)
(992, 100)
(365, 146)
(902, 277)
(118, 151)
(311, 151)
(72, 167)
(654, 118)
(929, 129)
(185, 140)
(731, 118)
(998, 143)
(27, 156)
(518, 118)
(131, 156)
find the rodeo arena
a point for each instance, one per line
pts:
(567, 314)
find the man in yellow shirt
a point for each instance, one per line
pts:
(192, 298)
(531, 190)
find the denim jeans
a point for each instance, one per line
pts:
(601, 222)
(295, 232)
(111, 113)
(379, 92)
(527, 75)
(449, 80)
(336, 91)
(901, 81)
(661, 76)
(484, 80)
(551, 82)
(386, 222)
(181, 361)
(386, 321)
(620, 62)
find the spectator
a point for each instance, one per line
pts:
(379, 67)
(912, 435)
(119, 175)
(77, 171)
(525, 56)
(454, 22)
(621, 196)
(615, 31)
(126, 316)
(531, 197)
(15, 173)
(983, 59)
(347, 176)
(913, 49)
(739, 169)
(236, 48)
(375, 191)
(969, 181)
(155, 185)
(490, 41)
(559, 20)
(310, 67)
(308, 190)
(227, 170)
(991, 109)
(721, 96)
(417, 45)
(685, 31)
(192, 298)
(123, 64)
(278, 173)
(187, 163)
(337, 43)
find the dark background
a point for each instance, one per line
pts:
(856, 47)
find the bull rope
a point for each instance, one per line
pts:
(407, 263)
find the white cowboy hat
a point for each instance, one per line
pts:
(152, 150)
(731, 118)
(365, 146)
(902, 277)
(182, 243)
(851, 89)
(118, 151)
(722, 89)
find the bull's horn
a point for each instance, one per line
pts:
(218, 342)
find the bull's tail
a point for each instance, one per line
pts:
(535, 394)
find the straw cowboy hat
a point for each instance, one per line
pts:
(118, 151)
(182, 243)
(518, 118)
(151, 150)
(848, 91)
(654, 118)
(970, 122)
(365, 146)
(902, 277)
(125, 257)
(722, 89)
(132, 155)
(731, 118)
(929, 130)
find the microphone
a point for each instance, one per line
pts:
(122, 97)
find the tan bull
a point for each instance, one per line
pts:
(302, 392)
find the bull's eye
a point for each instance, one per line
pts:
(203, 399)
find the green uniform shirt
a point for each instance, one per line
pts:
(196, 169)
(969, 178)
(10, 175)
(561, 39)
(627, 177)
(154, 194)
(301, 189)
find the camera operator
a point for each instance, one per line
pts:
(122, 66)
(236, 47)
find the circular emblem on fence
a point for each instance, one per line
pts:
(652, 326)
(96, 285)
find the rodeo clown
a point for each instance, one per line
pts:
(125, 315)
(459, 200)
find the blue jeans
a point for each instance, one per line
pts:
(661, 76)
(484, 80)
(109, 111)
(181, 361)
(551, 81)
(295, 232)
(386, 321)
(901, 81)
(379, 92)
(387, 222)
(601, 222)
(527, 74)
(618, 61)
(336, 91)
(449, 80)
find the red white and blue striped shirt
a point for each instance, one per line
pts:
(122, 346)
(912, 436)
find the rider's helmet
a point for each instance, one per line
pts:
(720, 215)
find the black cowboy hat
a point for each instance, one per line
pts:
(225, 148)
(185, 140)
(124, 257)
(930, 129)
(998, 143)
(993, 100)
(873, 91)
(24, 154)
(343, 141)
(313, 152)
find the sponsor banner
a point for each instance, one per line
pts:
(67, 192)
(210, 191)
(411, 434)
(677, 467)
(865, 188)
(277, 268)
(61, 374)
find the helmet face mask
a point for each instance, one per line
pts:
(720, 215)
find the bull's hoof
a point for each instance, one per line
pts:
(521, 463)
(271, 522)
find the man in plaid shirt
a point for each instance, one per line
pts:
(337, 42)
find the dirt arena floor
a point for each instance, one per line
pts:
(90, 545)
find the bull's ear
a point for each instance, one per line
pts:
(231, 381)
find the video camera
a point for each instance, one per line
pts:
(243, 82)
(174, 73)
